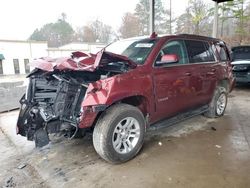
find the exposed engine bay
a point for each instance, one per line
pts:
(52, 103)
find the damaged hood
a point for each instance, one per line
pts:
(80, 61)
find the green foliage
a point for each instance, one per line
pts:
(234, 21)
(237, 10)
(196, 19)
(161, 17)
(129, 26)
(57, 33)
(95, 31)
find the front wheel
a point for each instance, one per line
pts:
(218, 104)
(119, 133)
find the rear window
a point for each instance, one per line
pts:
(199, 51)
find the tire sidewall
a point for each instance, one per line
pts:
(112, 152)
(220, 91)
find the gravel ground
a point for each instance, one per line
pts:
(198, 152)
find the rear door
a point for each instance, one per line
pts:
(203, 61)
(224, 62)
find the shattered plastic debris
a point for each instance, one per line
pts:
(21, 166)
(218, 146)
(213, 128)
(10, 182)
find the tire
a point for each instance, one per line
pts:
(218, 104)
(111, 141)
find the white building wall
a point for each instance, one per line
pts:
(66, 50)
(12, 49)
(20, 50)
(55, 53)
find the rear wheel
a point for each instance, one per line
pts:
(119, 133)
(218, 104)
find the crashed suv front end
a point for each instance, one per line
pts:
(57, 96)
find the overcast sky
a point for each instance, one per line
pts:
(19, 18)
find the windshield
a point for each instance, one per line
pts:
(241, 53)
(135, 49)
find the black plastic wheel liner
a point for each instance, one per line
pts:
(41, 138)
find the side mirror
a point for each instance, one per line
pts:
(168, 59)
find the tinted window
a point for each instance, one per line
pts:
(134, 49)
(176, 47)
(199, 51)
(222, 52)
(210, 54)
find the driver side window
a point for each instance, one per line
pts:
(176, 47)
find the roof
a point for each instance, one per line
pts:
(190, 36)
(197, 36)
(1, 57)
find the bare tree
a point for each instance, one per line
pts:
(95, 31)
(57, 33)
(161, 17)
(196, 19)
(130, 26)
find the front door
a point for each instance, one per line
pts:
(172, 81)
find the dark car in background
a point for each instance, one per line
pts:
(241, 63)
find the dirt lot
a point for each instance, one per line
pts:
(198, 153)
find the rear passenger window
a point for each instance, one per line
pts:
(199, 51)
(210, 54)
(222, 52)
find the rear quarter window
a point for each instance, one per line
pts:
(221, 49)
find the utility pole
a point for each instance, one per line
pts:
(222, 21)
(152, 16)
(215, 25)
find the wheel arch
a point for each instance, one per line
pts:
(138, 101)
(224, 83)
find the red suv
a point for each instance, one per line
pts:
(124, 89)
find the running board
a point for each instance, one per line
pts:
(178, 118)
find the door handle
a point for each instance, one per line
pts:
(210, 73)
(213, 70)
(187, 74)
